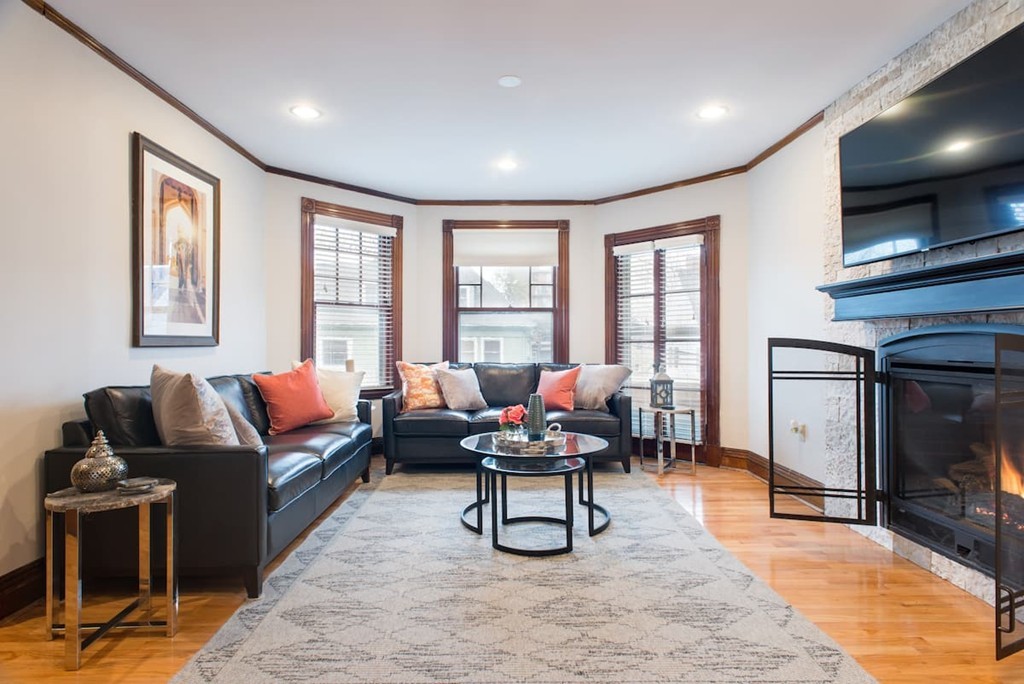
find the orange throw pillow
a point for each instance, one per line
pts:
(559, 388)
(420, 389)
(293, 399)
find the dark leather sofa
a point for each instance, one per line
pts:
(237, 506)
(433, 435)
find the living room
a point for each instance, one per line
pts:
(67, 187)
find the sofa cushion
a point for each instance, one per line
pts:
(587, 422)
(188, 411)
(432, 422)
(293, 398)
(461, 389)
(290, 474)
(125, 414)
(485, 420)
(505, 384)
(332, 448)
(597, 383)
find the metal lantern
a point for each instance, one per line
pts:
(661, 389)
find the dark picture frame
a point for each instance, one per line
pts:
(175, 250)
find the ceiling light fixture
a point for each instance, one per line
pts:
(305, 112)
(958, 146)
(507, 164)
(510, 81)
(712, 112)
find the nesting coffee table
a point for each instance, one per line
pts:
(497, 461)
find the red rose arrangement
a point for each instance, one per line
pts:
(511, 417)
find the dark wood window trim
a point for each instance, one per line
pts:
(710, 314)
(312, 207)
(560, 325)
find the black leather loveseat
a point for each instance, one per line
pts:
(237, 506)
(433, 435)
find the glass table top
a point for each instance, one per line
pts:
(576, 444)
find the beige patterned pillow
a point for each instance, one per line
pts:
(420, 389)
(188, 411)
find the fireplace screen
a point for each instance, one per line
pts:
(1009, 494)
(806, 377)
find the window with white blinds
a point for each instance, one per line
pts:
(658, 321)
(352, 299)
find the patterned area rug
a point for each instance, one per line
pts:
(392, 588)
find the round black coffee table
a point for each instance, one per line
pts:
(577, 446)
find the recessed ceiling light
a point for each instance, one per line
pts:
(510, 81)
(958, 145)
(305, 112)
(713, 111)
(507, 164)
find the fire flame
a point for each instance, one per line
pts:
(1011, 479)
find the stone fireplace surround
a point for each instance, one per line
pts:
(963, 34)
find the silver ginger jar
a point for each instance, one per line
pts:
(100, 470)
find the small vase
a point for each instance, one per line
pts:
(100, 470)
(536, 419)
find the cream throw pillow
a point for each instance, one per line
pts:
(188, 411)
(597, 383)
(341, 392)
(460, 388)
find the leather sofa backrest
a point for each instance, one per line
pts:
(257, 413)
(125, 414)
(506, 384)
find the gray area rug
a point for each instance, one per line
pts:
(392, 588)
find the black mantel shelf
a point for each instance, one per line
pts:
(982, 285)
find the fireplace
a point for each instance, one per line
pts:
(947, 468)
(938, 443)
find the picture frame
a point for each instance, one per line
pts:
(175, 250)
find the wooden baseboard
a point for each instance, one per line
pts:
(757, 465)
(22, 586)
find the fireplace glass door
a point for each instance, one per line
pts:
(821, 431)
(1009, 494)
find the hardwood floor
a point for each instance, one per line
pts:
(901, 623)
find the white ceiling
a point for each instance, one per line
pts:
(410, 96)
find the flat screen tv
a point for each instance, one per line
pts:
(944, 166)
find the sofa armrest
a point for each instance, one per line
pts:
(363, 411)
(392, 406)
(621, 404)
(222, 498)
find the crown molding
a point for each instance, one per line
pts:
(106, 53)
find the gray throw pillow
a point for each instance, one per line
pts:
(597, 383)
(244, 430)
(461, 389)
(188, 411)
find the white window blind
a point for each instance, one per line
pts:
(508, 247)
(352, 297)
(667, 273)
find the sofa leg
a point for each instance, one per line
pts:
(366, 473)
(626, 464)
(390, 467)
(253, 581)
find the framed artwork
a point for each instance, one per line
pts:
(175, 250)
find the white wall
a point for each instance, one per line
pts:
(284, 257)
(727, 197)
(786, 233)
(65, 129)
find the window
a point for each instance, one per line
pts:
(351, 291)
(505, 290)
(664, 312)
